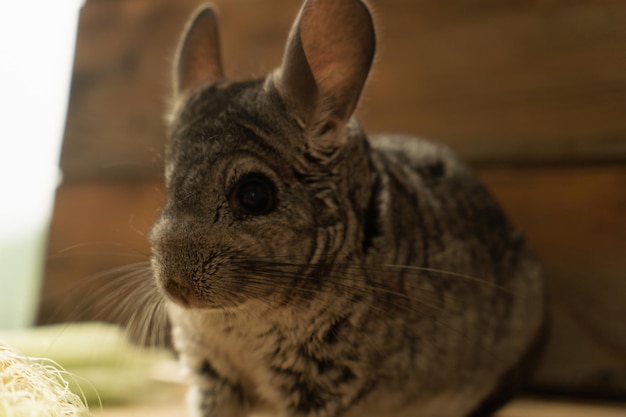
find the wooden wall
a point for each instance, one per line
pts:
(532, 93)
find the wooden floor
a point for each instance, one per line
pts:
(519, 408)
(536, 408)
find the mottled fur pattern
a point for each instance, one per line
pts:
(385, 281)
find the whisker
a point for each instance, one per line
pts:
(438, 312)
(97, 248)
(341, 278)
(450, 274)
(125, 295)
(274, 260)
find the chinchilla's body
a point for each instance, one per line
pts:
(313, 271)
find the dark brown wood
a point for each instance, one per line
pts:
(575, 218)
(98, 232)
(533, 81)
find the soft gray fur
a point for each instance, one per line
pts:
(381, 280)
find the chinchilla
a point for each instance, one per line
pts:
(312, 270)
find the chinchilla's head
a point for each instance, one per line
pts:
(267, 180)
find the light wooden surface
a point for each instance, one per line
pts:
(535, 408)
(519, 408)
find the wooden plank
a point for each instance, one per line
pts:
(574, 218)
(114, 125)
(551, 408)
(518, 408)
(500, 81)
(98, 232)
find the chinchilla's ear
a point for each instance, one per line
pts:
(198, 59)
(328, 57)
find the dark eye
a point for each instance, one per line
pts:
(254, 194)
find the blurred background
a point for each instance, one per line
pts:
(532, 93)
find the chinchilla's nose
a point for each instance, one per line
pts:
(178, 290)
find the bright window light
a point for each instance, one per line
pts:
(36, 47)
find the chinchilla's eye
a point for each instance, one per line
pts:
(254, 194)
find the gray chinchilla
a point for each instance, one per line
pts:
(311, 270)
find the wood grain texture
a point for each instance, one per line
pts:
(519, 408)
(97, 231)
(551, 408)
(575, 218)
(534, 81)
